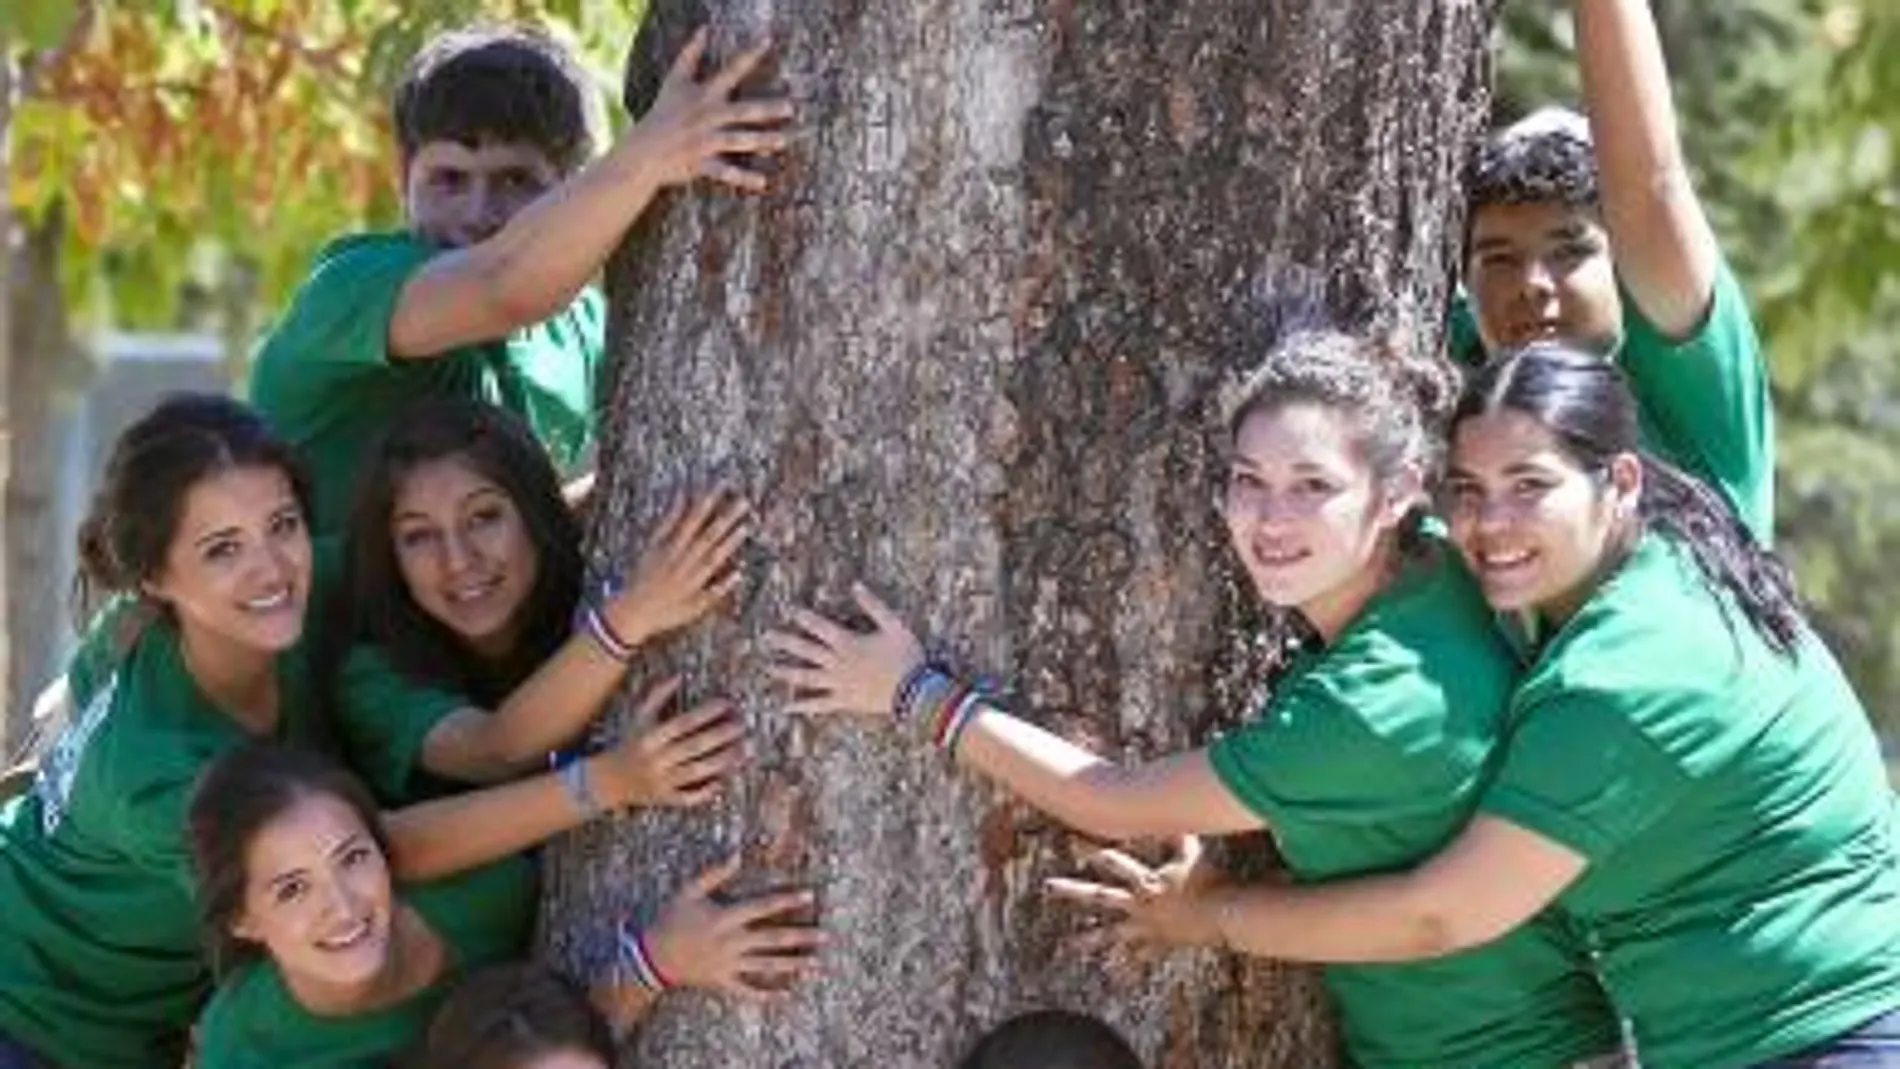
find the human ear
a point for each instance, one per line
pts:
(1626, 482)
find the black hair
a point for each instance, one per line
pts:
(1051, 1039)
(1545, 158)
(496, 83)
(1585, 403)
(376, 606)
(507, 1016)
(154, 464)
(237, 796)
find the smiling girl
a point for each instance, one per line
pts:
(1688, 778)
(1369, 752)
(328, 962)
(197, 535)
(461, 659)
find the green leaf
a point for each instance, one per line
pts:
(38, 23)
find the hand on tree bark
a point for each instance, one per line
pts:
(837, 670)
(695, 128)
(678, 762)
(686, 570)
(1170, 904)
(750, 948)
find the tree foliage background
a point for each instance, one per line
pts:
(192, 154)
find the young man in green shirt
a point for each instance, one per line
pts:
(485, 292)
(1590, 231)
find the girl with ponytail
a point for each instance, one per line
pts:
(1688, 778)
(1372, 748)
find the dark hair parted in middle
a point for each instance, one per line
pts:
(236, 797)
(1585, 403)
(376, 603)
(155, 462)
(508, 1016)
(496, 83)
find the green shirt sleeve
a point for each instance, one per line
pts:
(1579, 772)
(1308, 760)
(385, 719)
(337, 326)
(1705, 400)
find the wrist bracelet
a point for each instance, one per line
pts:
(906, 693)
(634, 959)
(573, 776)
(595, 623)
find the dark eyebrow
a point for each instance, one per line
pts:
(1490, 243)
(213, 536)
(283, 877)
(353, 840)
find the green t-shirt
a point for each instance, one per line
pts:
(100, 957)
(1703, 402)
(325, 378)
(485, 915)
(1743, 886)
(383, 718)
(1370, 756)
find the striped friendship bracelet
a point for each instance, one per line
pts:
(931, 696)
(595, 623)
(635, 959)
(957, 716)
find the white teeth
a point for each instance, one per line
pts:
(348, 939)
(274, 601)
(1278, 557)
(1505, 560)
(474, 590)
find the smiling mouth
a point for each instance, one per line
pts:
(270, 602)
(473, 591)
(1505, 563)
(355, 936)
(1278, 558)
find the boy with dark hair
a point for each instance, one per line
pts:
(485, 293)
(1051, 1039)
(1589, 230)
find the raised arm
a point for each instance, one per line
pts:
(1664, 249)
(685, 571)
(1494, 877)
(541, 258)
(842, 671)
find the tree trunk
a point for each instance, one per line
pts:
(43, 357)
(967, 352)
(11, 717)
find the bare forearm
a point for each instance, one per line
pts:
(536, 264)
(1372, 919)
(1065, 781)
(546, 712)
(439, 838)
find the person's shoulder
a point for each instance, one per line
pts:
(361, 248)
(1431, 615)
(486, 913)
(249, 1004)
(1651, 637)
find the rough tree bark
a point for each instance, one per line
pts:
(8, 80)
(44, 357)
(966, 351)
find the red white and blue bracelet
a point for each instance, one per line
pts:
(634, 957)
